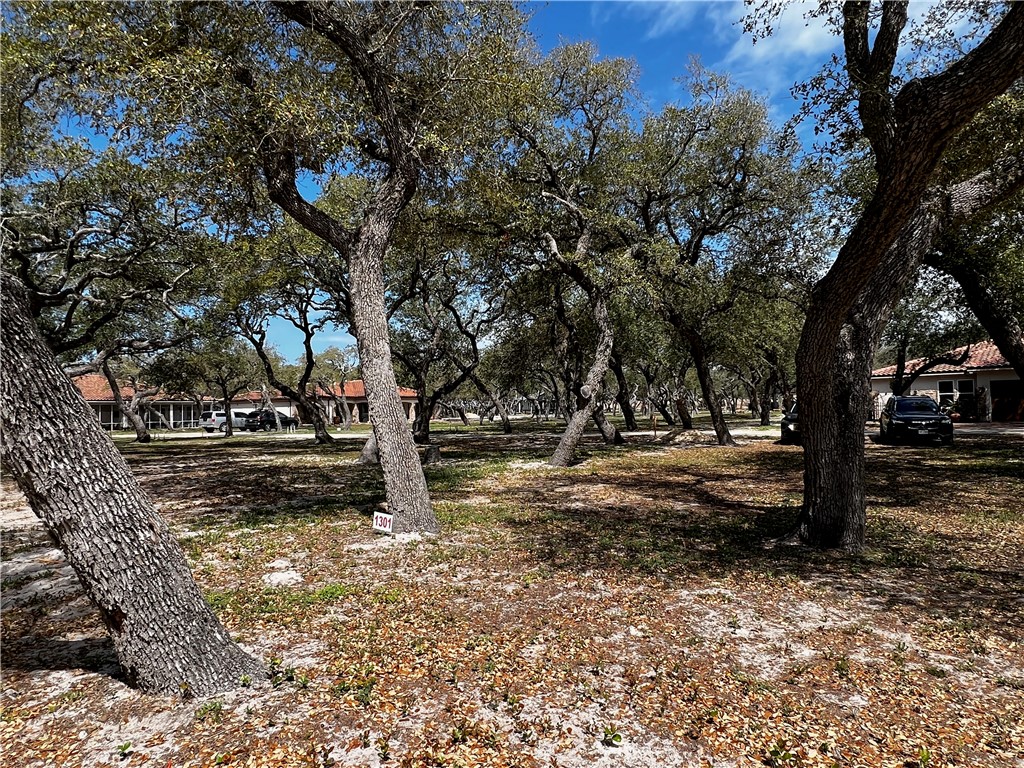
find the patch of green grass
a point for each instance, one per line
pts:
(212, 710)
(275, 600)
(388, 596)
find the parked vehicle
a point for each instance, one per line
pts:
(791, 426)
(264, 420)
(214, 421)
(914, 418)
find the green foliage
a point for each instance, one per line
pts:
(212, 710)
(611, 736)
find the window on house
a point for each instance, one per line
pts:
(947, 393)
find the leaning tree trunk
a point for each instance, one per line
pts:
(320, 422)
(909, 133)
(587, 397)
(499, 406)
(404, 482)
(142, 434)
(685, 417)
(166, 637)
(703, 369)
(609, 431)
(622, 394)
(834, 387)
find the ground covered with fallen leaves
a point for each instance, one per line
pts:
(633, 610)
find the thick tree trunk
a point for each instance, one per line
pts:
(404, 482)
(167, 639)
(703, 369)
(908, 133)
(834, 387)
(320, 422)
(587, 397)
(609, 431)
(346, 412)
(685, 419)
(425, 408)
(622, 393)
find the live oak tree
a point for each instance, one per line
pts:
(333, 369)
(272, 280)
(987, 263)
(929, 321)
(167, 639)
(259, 100)
(985, 255)
(718, 192)
(562, 180)
(909, 121)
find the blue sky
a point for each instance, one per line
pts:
(662, 36)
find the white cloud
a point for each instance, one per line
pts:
(794, 51)
(666, 17)
(794, 38)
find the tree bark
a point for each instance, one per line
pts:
(834, 512)
(369, 454)
(404, 483)
(142, 434)
(908, 133)
(609, 431)
(167, 639)
(622, 393)
(587, 396)
(707, 388)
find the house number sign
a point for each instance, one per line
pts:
(383, 522)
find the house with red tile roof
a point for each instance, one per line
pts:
(983, 386)
(355, 397)
(183, 413)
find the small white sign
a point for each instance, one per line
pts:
(383, 522)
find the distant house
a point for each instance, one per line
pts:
(355, 395)
(984, 386)
(176, 411)
(183, 413)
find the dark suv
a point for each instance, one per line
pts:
(265, 420)
(914, 418)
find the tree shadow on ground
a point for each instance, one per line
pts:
(32, 653)
(686, 521)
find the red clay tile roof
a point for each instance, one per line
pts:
(983, 355)
(356, 390)
(353, 389)
(95, 388)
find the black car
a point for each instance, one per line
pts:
(791, 426)
(914, 418)
(264, 420)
